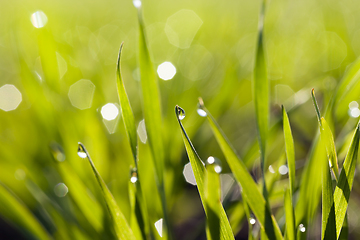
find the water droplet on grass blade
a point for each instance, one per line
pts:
(200, 108)
(180, 113)
(216, 163)
(137, 3)
(302, 227)
(133, 175)
(252, 221)
(81, 151)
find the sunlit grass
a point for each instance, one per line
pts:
(270, 167)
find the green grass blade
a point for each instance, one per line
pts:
(212, 201)
(261, 98)
(327, 138)
(121, 226)
(151, 101)
(290, 216)
(127, 114)
(343, 188)
(215, 209)
(290, 151)
(328, 227)
(247, 214)
(317, 110)
(17, 212)
(250, 190)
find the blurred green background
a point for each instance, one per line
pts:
(57, 72)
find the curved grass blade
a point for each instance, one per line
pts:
(199, 172)
(290, 216)
(122, 229)
(290, 152)
(250, 190)
(344, 185)
(129, 122)
(127, 114)
(17, 212)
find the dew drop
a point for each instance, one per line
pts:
(201, 111)
(133, 175)
(180, 113)
(252, 220)
(81, 151)
(216, 163)
(137, 3)
(200, 108)
(302, 227)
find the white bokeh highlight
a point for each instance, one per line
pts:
(38, 19)
(166, 71)
(189, 174)
(159, 226)
(81, 94)
(10, 97)
(109, 111)
(141, 131)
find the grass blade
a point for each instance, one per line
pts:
(213, 207)
(212, 201)
(17, 212)
(151, 101)
(250, 191)
(328, 227)
(127, 114)
(290, 151)
(290, 216)
(261, 98)
(327, 138)
(343, 188)
(122, 229)
(129, 122)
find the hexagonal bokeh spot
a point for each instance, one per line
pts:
(81, 94)
(10, 97)
(181, 27)
(189, 174)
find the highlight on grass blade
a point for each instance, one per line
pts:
(250, 192)
(213, 208)
(121, 227)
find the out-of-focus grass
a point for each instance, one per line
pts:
(307, 44)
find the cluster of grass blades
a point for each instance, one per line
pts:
(299, 201)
